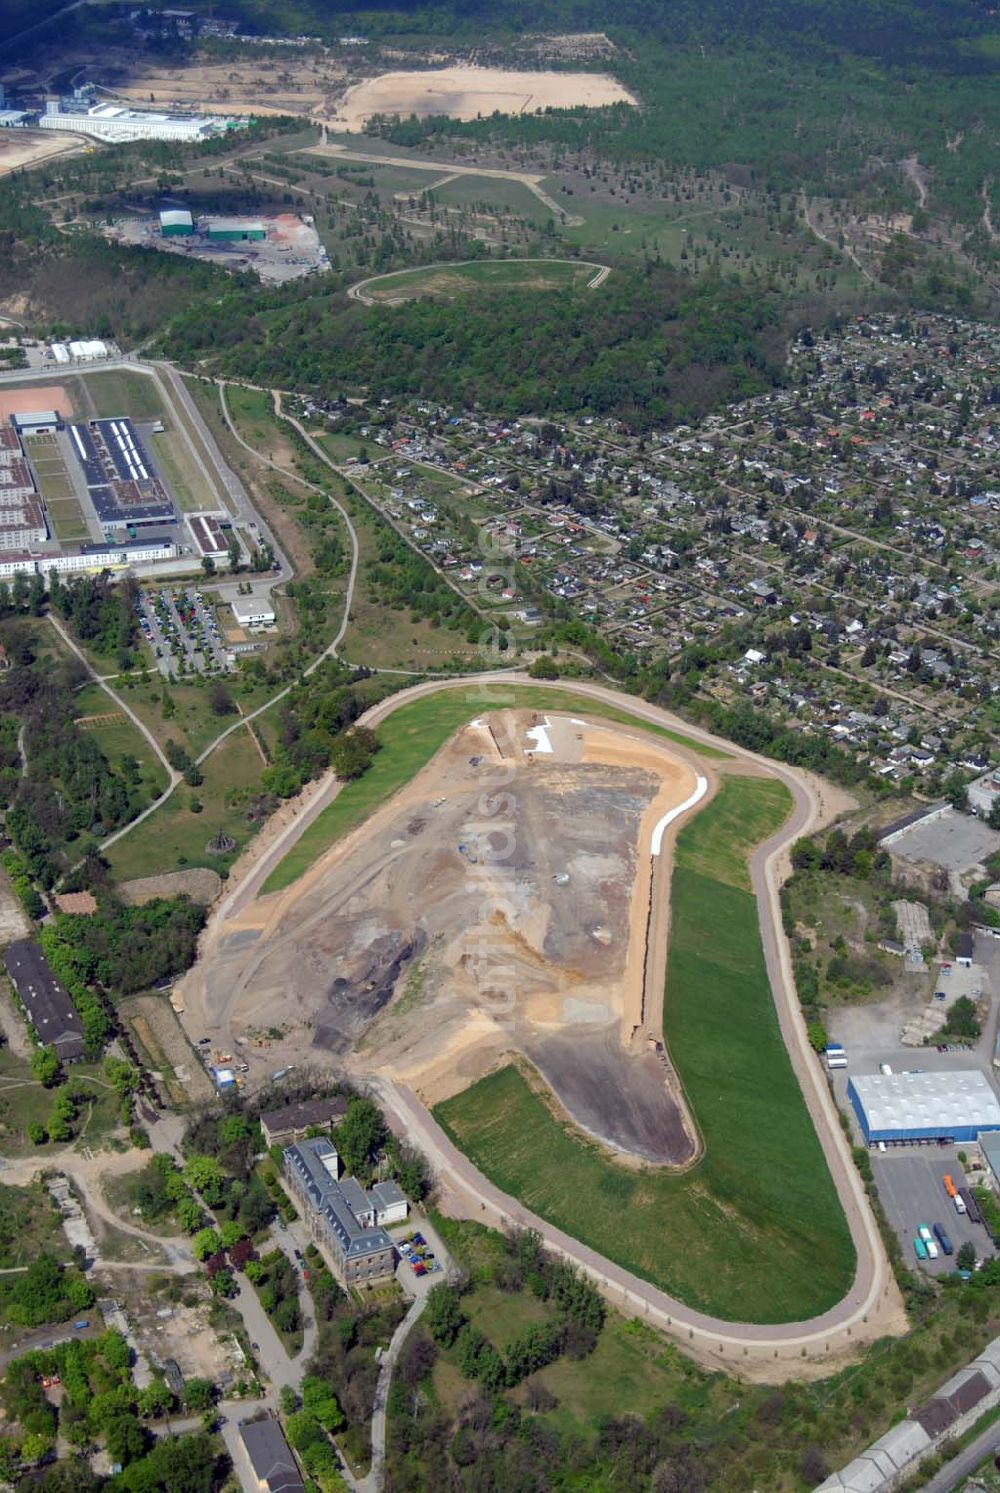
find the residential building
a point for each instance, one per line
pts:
(271, 1468)
(340, 1216)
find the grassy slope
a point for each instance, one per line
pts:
(454, 279)
(410, 737)
(753, 1232)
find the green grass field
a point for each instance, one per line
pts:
(117, 737)
(176, 463)
(451, 280)
(410, 737)
(176, 836)
(118, 392)
(753, 1232)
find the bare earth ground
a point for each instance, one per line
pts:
(38, 397)
(27, 147)
(14, 921)
(464, 92)
(201, 884)
(293, 85)
(499, 902)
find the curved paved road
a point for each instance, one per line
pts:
(871, 1308)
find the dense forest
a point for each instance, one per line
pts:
(653, 345)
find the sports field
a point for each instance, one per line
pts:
(410, 736)
(754, 1232)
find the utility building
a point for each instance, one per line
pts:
(236, 230)
(176, 223)
(897, 1107)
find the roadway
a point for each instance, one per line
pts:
(871, 1308)
(954, 1473)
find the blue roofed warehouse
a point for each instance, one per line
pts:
(924, 1106)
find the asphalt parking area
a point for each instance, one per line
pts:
(910, 1182)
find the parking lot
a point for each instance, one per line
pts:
(179, 625)
(950, 839)
(910, 1181)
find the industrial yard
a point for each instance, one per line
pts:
(276, 248)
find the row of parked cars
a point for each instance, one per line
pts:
(928, 1245)
(419, 1256)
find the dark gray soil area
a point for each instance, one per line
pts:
(617, 1097)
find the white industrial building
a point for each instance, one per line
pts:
(899, 1107)
(15, 561)
(117, 124)
(31, 421)
(253, 611)
(87, 350)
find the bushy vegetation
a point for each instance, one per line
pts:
(46, 1292)
(655, 347)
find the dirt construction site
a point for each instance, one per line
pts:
(513, 897)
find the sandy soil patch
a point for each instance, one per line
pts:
(241, 86)
(27, 147)
(464, 92)
(14, 921)
(156, 1028)
(201, 885)
(38, 397)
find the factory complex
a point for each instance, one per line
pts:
(117, 124)
(897, 1108)
(85, 495)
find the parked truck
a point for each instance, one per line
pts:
(949, 1186)
(960, 1204)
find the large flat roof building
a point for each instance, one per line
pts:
(924, 1106)
(47, 1004)
(118, 124)
(236, 230)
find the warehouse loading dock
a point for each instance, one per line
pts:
(899, 1108)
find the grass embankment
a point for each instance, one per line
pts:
(410, 736)
(754, 1232)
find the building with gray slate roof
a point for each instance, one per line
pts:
(340, 1215)
(272, 1465)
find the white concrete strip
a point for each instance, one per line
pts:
(539, 736)
(696, 797)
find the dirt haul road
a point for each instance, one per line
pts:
(872, 1307)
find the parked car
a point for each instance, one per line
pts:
(943, 1240)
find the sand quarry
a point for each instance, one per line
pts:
(466, 91)
(502, 902)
